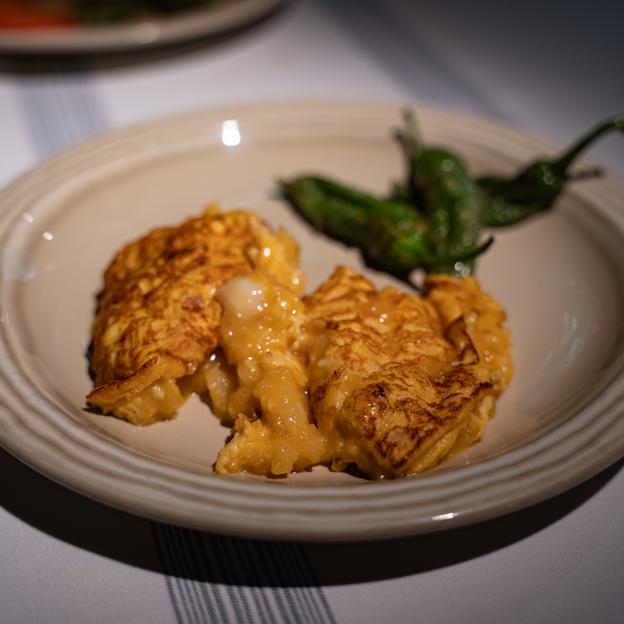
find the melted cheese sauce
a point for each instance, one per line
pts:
(254, 382)
(273, 433)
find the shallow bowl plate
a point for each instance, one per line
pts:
(560, 277)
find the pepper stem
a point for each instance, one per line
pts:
(562, 163)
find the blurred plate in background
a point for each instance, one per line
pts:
(214, 19)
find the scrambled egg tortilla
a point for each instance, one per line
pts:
(384, 380)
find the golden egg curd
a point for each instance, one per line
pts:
(384, 382)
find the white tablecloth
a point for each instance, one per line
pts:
(552, 70)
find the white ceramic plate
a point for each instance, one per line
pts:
(560, 277)
(223, 16)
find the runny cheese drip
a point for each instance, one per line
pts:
(272, 429)
(255, 382)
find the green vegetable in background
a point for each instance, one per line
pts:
(111, 11)
(507, 201)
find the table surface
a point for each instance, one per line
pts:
(549, 70)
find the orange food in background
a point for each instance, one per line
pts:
(25, 16)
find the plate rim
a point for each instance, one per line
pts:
(288, 492)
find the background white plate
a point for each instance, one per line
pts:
(223, 16)
(560, 277)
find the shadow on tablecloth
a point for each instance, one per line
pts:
(203, 557)
(358, 562)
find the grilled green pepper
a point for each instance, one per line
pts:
(439, 182)
(509, 200)
(391, 236)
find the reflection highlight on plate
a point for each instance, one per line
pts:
(230, 133)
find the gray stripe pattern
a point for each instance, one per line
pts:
(59, 112)
(209, 578)
(214, 578)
